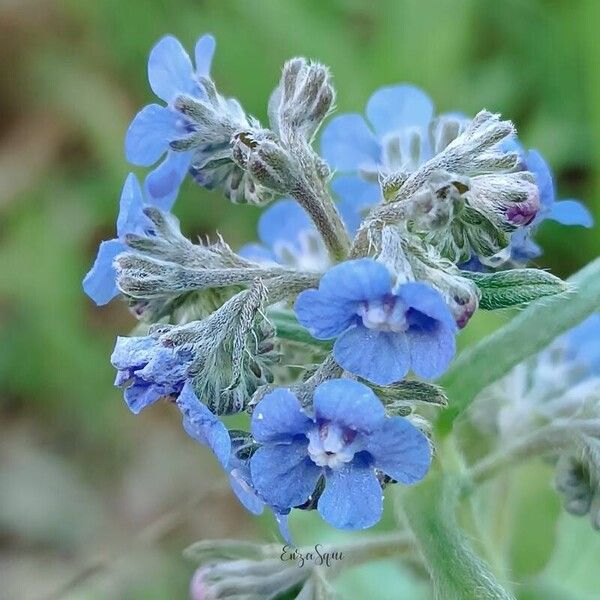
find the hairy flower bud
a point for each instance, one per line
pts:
(301, 101)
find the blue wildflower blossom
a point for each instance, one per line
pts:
(566, 212)
(393, 137)
(289, 238)
(205, 427)
(382, 331)
(346, 440)
(202, 425)
(171, 74)
(148, 371)
(100, 282)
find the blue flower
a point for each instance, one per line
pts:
(202, 425)
(100, 282)
(394, 137)
(171, 74)
(345, 441)
(148, 370)
(205, 427)
(288, 238)
(566, 212)
(381, 331)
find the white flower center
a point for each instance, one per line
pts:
(330, 446)
(383, 315)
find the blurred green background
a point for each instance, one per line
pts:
(98, 503)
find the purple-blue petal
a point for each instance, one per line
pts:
(257, 253)
(202, 425)
(100, 282)
(203, 54)
(399, 106)
(282, 222)
(141, 395)
(170, 70)
(131, 217)
(350, 404)
(323, 315)
(357, 280)
(245, 493)
(149, 134)
(379, 356)
(347, 143)
(432, 348)
(425, 299)
(400, 450)
(571, 212)
(536, 164)
(162, 184)
(278, 417)
(283, 474)
(132, 352)
(355, 197)
(352, 498)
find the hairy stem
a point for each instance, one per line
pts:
(456, 572)
(527, 334)
(326, 218)
(545, 440)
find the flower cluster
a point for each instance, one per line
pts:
(368, 286)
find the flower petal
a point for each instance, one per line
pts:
(323, 316)
(571, 212)
(100, 282)
(347, 143)
(149, 134)
(400, 450)
(204, 52)
(352, 498)
(131, 217)
(132, 352)
(381, 357)
(425, 299)
(170, 70)
(357, 280)
(140, 396)
(350, 404)
(283, 474)
(535, 163)
(202, 425)
(398, 106)
(162, 184)
(356, 197)
(257, 253)
(431, 349)
(278, 417)
(283, 221)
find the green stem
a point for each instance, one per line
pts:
(528, 333)
(456, 572)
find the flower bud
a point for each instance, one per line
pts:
(301, 101)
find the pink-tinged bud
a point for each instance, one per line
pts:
(463, 312)
(199, 589)
(523, 213)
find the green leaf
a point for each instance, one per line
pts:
(288, 328)
(527, 334)
(515, 287)
(405, 394)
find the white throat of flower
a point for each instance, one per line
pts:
(383, 315)
(329, 445)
